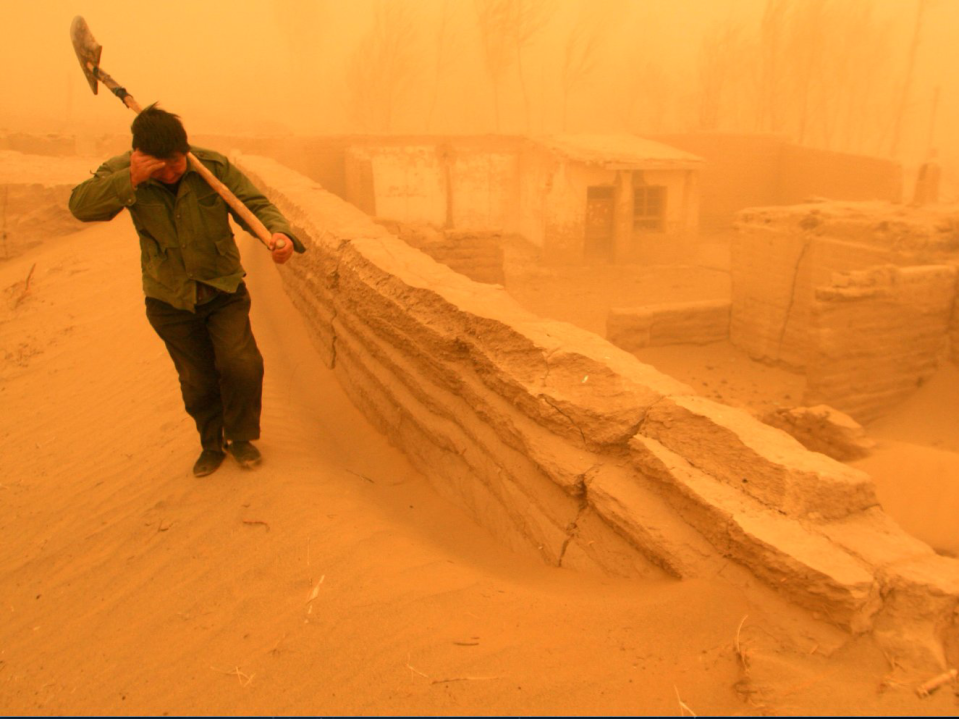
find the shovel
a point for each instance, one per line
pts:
(88, 53)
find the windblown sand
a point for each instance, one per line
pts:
(332, 579)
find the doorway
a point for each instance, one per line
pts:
(598, 241)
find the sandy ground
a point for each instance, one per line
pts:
(332, 579)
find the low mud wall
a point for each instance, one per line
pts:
(775, 271)
(876, 335)
(566, 446)
(668, 324)
(475, 254)
(858, 296)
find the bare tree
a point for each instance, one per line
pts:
(806, 49)
(720, 62)
(529, 18)
(383, 66)
(494, 20)
(304, 26)
(583, 45)
(444, 40)
(852, 80)
(921, 7)
(772, 65)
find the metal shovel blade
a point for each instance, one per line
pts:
(87, 49)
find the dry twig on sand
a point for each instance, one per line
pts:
(683, 708)
(466, 679)
(26, 285)
(361, 476)
(276, 647)
(740, 649)
(242, 677)
(316, 590)
(414, 669)
(928, 687)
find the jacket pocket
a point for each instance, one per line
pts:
(227, 256)
(151, 255)
(212, 215)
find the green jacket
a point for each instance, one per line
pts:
(183, 239)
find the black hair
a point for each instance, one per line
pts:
(159, 133)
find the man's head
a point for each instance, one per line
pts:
(160, 134)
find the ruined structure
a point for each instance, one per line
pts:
(858, 296)
(569, 447)
(592, 198)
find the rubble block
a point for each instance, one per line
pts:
(668, 324)
(569, 448)
(919, 622)
(823, 429)
(804, 564)
(756, 459)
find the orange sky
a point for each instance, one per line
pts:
(282, 65)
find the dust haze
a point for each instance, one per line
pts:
(866, 76)
(577, 270)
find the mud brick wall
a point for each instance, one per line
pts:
(668, 324)
(774, 271)
(475, 254)
(568, 447)
(876, 335)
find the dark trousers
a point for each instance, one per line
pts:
(220, 367)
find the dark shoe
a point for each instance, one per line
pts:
(244, 453)
(208, 462)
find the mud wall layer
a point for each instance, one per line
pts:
(876, 335)
(774, 273)
(668, 324)
(475, 254)
(568, 447)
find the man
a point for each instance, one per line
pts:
(196, 299)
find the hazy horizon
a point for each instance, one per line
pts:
(827, 73)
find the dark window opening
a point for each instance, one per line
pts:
(649, 208)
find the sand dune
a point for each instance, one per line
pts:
(331, 579)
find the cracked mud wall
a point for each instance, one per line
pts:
(850, 294)
(567, 447)
(878, 335)
(655, 325)
(774, 274)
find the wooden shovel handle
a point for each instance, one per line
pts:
(259, 229)
(262, 234)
